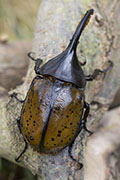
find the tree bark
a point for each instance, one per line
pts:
(99, 43)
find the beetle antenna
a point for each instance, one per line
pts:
(74, 41)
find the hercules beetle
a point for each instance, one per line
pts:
(54, 110)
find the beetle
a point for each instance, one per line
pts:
(55, 111)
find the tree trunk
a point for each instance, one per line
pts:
(99, 43)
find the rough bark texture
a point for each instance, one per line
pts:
(102, 159)
(99, 42)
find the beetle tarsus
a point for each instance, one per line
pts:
(98, 71)
(14, 95)
(38, 62)
(99, 105)
(71, 156)
(26, 146)
(31, 57)
(84, 120)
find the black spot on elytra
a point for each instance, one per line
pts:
(52, 139)
(59, 131)
(58, 135)
(67, 116)
(34, 121)
(71, 124)
(31, 137)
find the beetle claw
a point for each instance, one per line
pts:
(31, 57)
(88, 131)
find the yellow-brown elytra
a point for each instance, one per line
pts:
(54, 110)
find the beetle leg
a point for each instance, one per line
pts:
(14, 95)
(84, 120)
(70, 153)
(82, 126)
(98, 71)
(30, 56)
(38, 62)
(99, 105)
(26, 146)
(19, 125)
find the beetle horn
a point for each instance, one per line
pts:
(65, 66)
(85, 20)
